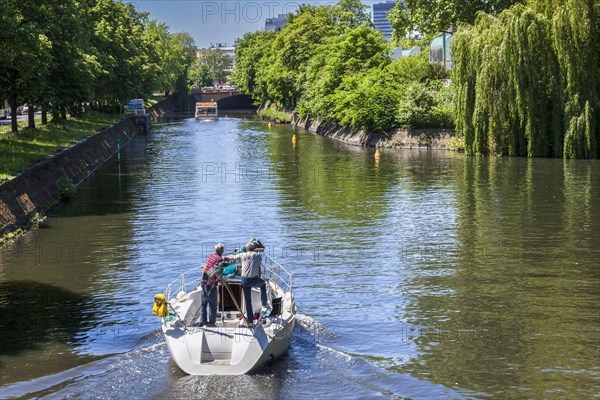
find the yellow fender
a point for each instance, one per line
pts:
(160, 306)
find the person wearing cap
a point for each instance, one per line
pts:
(209, 289)
(258, 246)
(251, 277)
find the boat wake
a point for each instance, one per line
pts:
(315, 346)
(312, 368)
(112, 373)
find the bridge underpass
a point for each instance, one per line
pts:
(226, 99)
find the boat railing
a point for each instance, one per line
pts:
(271, 270)
(181, 284)
(275, 272)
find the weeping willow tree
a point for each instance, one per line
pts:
(575, 35)
(528, 81)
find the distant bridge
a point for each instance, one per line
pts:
(227, 99)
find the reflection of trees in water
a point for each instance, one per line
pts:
(321, 176)
(32, 313)
(522, 301)
(330, 178)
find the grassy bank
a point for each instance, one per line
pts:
(275, 115)
(21, 124)
(23, 149)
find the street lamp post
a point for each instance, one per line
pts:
(444, 47)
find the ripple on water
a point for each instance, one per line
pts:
(420, 275)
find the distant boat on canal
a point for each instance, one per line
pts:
(207, 109)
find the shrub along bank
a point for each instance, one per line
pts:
(526, 81)
(328, 63)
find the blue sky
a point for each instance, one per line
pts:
(219, 21)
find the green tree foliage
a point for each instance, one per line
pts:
(250, 56)
(576, 42)
(329, 63)
(137, 56)
(367, 101)
(184, 49)
(416, 68)
(357, 50)
(415, 106)
(211, 67)
(293, 48)
(528, 84)
(432, 16)
(166, 53)
(24, 42)
(68, 53)
(351, 14)
(118, 42)
(274, 66)
(199, 75)
(406, 93)
(73, 65)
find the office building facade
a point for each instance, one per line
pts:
(380, 12)
(276, 23)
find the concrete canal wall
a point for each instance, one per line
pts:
(162, 107)
(429, 139)
(26, 197)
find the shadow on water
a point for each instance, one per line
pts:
(109, 192)
(35, 313)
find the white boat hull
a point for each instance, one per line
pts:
(228, 348)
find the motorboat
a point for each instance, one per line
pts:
(231, 347)
(207, 110)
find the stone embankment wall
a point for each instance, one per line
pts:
(427, 139)
(162, 107)
(29, 195)
(430, 139)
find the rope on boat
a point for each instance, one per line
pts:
(176, 314)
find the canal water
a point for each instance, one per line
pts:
(418, 274)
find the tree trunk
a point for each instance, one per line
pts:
(44, 115)
(30, 116)
(182, 94)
